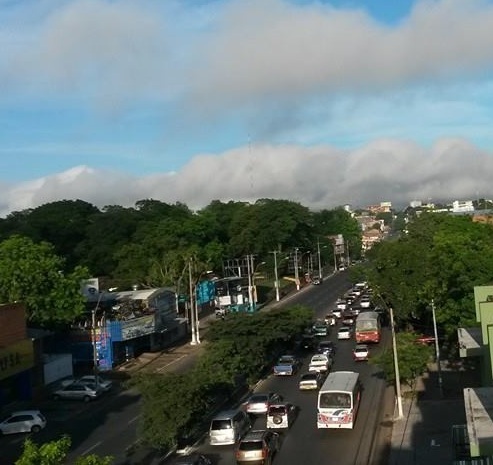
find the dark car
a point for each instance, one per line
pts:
(326, 348)
(192, 459)
(308, 343)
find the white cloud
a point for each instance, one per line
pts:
(317, 177)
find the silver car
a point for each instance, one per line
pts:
(23, 421)
(78, 391)
(103, 383)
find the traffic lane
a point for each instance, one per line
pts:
(322, 296)
(88, 425)
(108, 430)
(60, 416)
(303, 442)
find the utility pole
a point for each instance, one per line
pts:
(319, 260)
(335, 258)
(296, 271)
(249, 272)
(437, 349)
(191, 310)
(400, 413)
(276, 276)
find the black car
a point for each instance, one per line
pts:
(308, 343)
(326, 348)
(193, 459)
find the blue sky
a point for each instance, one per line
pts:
(321, 102)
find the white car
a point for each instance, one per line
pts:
(320, 363)
(365, 302)
(345, 332)
(280, 416)
(311, 381)
(361, 353)
(341, 304)
(23, 421)
(102, 383)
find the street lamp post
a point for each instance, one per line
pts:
(400, 413)
(319, 261)
(191, 309)
(276, 277)
(296, 271)
(249, 272)
(437, 349)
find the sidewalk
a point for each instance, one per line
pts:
(424, 435)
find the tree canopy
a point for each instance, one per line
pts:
(32, 273)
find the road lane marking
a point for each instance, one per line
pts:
(171, 363)
(133, 419)
(91, 448)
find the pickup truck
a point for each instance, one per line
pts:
(321, 363)
(287, 365)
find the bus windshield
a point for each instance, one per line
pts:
(335, 400)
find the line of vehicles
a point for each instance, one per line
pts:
(338, 392)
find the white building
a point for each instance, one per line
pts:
(461, 206)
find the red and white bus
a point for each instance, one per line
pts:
(368, 328)
(338, 400)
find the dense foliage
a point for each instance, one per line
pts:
(413, 359)
(55, 453)
(47, 249)
(439, 260)
(238, 351)
(32, 273)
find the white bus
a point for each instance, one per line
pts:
(338, 400)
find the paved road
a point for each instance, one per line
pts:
(109, 426)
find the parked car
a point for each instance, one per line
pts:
(345, 332)
(103, 383)
(321, 363)
(361, 352)
(280, 416)
(259, 446)
(316, 280)
(192, 459)
(287, 365)
(78, 391)
(311, 381)
(23, 421)
(259, 403)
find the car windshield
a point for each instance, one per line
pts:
(220, 424)
(318, 358)
(309, 377)
(286, 359)
(344, 330)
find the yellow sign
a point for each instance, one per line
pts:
(16, 358)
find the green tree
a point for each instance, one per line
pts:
(442, 258)
(413, 359)
(55, 453)
(33, 274)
